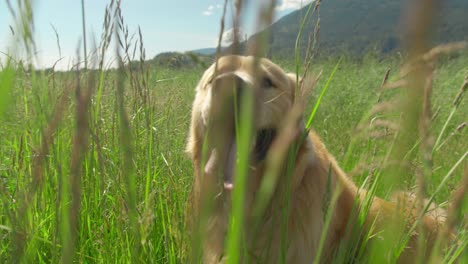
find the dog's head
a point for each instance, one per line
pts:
(217, 106)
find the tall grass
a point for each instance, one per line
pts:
(93, 168)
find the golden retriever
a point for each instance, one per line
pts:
(314, 177)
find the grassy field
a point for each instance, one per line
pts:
(143, 161)
(93, 167)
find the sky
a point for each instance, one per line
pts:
(166, 25)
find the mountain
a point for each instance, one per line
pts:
(206, 51)
(358, 26)
(177, 60)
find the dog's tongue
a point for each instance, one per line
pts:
(228, 166)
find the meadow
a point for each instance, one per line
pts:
(144, 159)
(93, 166)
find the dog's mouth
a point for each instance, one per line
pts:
(263, 143)
(259, 149)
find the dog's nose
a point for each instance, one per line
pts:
(229, 89)
(229, 92)
(229, 84)
(239, 84)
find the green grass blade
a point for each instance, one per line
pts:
(324, 90)
(428, 204)
(7, 80)
(243, 139)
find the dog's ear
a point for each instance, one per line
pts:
(299, 100)
(296, 86)
(293, 79)
(303, 87)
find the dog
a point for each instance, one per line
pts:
(314, 179)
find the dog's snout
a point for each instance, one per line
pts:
(231, 92)
(239, 84)
(229, 88)
(229, 83)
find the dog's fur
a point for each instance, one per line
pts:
(315, 175)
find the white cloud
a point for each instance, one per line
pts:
(219, 6)
(292, 4)
(209, 10)
(228, 36)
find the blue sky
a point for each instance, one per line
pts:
(171, 25)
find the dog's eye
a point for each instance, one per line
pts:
(267, 82)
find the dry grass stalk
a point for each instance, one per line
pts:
(435, 52)
(362, 167)
(460, 127)
(38, 172)
(79, 149)
(436, 113)
(432, 55)
(382, 85)
(454, 211)
(425, 153)
(456, 204)
(311, 50)
(208, 197)
(457, 131)
(106, 38)
(265, 18)
(418, 19)
(366, 122)
(380, 134)
(220, 37)
(278, 152)
(129, 202)
(382, 107)
(395, 85)
(238, 4)
(462, 91)
(306, 87)
(380, 123)
(455, 104)
(274, 162)
(369, 122)
(24, 23)
(83, 26)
